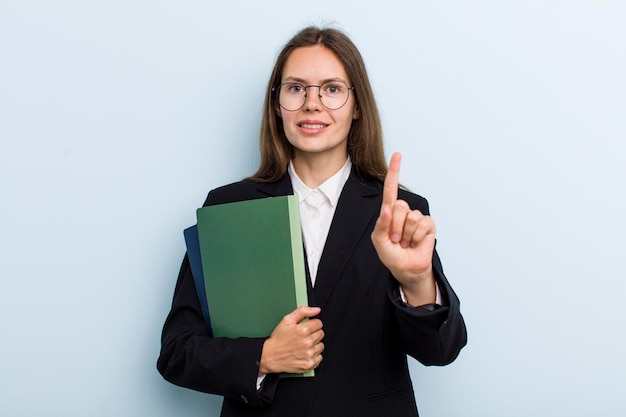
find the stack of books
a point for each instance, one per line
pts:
(247, 262)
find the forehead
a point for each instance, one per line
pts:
(314, 64)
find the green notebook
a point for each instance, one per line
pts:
(253, 264)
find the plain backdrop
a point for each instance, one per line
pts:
(117, 117)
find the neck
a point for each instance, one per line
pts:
(314, 171)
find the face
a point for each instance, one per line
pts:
(313, 130)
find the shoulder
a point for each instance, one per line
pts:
(415, 201)
(230, 193)
(249, 190)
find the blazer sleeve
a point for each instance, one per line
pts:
(432, 334)
(192, 358)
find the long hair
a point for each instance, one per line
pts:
(365, 144)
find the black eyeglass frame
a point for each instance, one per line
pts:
(305, 87)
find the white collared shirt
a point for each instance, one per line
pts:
(317, 208)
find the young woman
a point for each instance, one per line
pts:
(374, 276)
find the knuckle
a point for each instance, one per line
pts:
(413, 218)
(401, 206)
(317, 323)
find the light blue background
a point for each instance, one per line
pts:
(117, 117)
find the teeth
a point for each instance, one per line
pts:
(307, 126)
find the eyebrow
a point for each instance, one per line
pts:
(304, 82)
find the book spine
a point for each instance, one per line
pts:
(297, 250)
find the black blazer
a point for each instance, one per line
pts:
(368, 329)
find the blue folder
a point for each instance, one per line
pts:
(195, 260)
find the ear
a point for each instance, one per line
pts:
(356, 113)
(277, 110)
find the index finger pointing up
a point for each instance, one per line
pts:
(390, 188)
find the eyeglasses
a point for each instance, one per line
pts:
(333, 95)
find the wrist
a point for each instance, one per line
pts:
(420, 289)
(264, 369)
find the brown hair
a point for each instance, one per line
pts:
(365, 144)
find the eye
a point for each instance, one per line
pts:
(294, 88)
(333, 89)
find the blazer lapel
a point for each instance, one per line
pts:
(356, 208)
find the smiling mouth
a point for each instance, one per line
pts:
(312, 126)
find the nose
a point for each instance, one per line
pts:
(312, 101)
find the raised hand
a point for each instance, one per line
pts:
(405, 240)
(294, 346)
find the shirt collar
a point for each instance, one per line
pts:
(331, 188)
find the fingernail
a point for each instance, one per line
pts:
(395, 238)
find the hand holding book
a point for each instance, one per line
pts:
(248, 265)
(295, 345)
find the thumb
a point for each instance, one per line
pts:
(301, 313)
